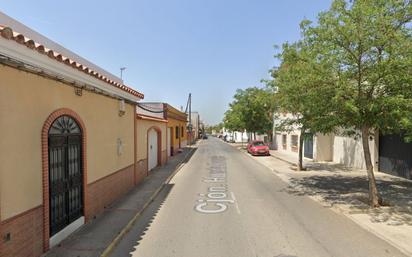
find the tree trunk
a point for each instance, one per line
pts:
(374, 198)
(300, 160)
(270, 139)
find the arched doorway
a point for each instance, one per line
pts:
(65, 173)
(153, 148)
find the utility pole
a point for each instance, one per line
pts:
(121, 72)
(189, 107)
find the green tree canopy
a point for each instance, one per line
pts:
(304, 90)
(357, 68)
(251, 109)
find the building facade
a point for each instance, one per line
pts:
(390, 153)
(176, 129)
(195, 123)
(151, 129)
(68, 146)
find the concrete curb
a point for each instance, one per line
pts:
(279, 158)
(335, 208)
(130, 224)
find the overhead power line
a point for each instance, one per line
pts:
(147, 108)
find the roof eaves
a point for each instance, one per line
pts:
(9, 34)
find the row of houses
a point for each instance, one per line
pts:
(242, 136)
(74, 139)
(389, 153)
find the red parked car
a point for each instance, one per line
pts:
(258, 147)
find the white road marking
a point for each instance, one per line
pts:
(237, 206)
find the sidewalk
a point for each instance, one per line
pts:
(291, 158)
(99, 235)
(345, 190)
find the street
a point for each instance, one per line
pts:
(222, 203)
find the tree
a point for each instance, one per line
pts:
(368, 46)
(302, 85)
(252, 110)
(216, 128)
(233, 120)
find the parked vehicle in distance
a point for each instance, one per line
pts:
(257, 147)
(204, 136)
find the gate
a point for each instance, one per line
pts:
(65, 173)
(308, 146)
(153, 149)
(395, 156)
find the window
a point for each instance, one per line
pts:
(183, 131)
(294, 143)
(284, 142)
(177, 132)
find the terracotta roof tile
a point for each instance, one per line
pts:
(9, 34)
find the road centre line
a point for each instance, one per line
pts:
(236, 205)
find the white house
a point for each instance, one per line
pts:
(239, 137)
(316, 147)
(389, 153)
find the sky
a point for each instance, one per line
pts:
(171, 48)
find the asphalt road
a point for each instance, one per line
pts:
(223, 203)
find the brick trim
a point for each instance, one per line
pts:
(110, 175)
(105, 191)
(11, 219)
(159, 146)
(25, 229)
(45, 167)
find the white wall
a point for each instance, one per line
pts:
(279, 141)
(323, 147)
(277, 137)
(195, 118)
(236, 136)
(240, 137)
(331, 147)
(349, 152)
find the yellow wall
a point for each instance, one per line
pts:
(173, 123)
(26, 100)
(142, 126)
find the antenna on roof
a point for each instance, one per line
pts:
(121, 72)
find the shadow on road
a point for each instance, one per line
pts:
(189, 156)
(353, 191)
(132, 240)
(331, 167)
